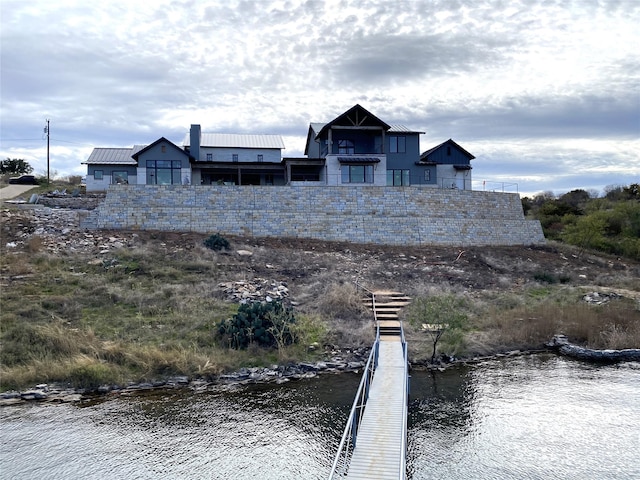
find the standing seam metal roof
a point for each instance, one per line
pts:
(237, 140)
(317, 127)
(113, 156)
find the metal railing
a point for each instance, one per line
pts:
(349, 437)
(405, 405)
(372, 294)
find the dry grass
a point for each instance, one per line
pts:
(503, 321)
(615, 325)
(151, 311)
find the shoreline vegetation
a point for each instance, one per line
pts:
(86, 310)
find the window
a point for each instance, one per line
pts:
(97, 174)
(357, 173)
(120, 178)
(163, 172)
(234, 157)
(427, 175)
(260, 157)
(163, 149)
(397, 144)
(398, 178)
(209, 157)
(346, 147)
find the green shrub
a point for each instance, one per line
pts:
(217, 242)
(265, 324)
(545, 277)
(90, 375)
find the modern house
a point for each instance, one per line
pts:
(355, 148)
(235, 159)
(449, 165)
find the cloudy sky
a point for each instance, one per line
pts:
(545, 93)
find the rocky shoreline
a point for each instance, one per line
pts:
(562, 345)
(342, 361)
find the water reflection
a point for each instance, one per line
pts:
(530, 417)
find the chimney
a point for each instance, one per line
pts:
(194, 144)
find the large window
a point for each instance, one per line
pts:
(346, 147)
(357, 173)
(120, 178)
(163, 172)
(397, 144)
(398, 178)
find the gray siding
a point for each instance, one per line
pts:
(220, 154)
(454, 158)
(170, 153)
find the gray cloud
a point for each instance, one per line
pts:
(486, 72)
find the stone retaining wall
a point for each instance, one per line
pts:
(379, 215)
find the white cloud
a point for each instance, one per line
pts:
(548, 82)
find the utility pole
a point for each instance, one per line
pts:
(46, 130)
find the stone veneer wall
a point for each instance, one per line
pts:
(379, 215)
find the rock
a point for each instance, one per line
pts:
(597, 298)
(255, 290)
(561, 342)
(33, 395)
(244, 253)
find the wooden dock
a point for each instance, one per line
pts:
(379, 452)
(374, 443)
(380, 446)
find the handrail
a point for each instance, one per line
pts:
(349, 436)
(372, 294)
(405, 407)
(348, 440)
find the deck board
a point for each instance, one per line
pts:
(378, 453)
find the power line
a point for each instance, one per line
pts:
(42, 139)
(20, 139)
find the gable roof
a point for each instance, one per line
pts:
(356, 116)
(237, 140)
(113, 156)
(425, 155)
(161, 140)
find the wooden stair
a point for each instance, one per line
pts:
(387, 306)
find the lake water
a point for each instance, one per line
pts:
(535, 417)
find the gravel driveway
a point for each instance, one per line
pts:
(13, 191)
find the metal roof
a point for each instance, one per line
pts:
(358, 159)
(401, 129)
(317, 127)
(113, 156)
(424, 155)
(237, 140)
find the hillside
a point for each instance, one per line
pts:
(130, 300)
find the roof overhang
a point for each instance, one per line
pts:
(356, 117)
(358, 160)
